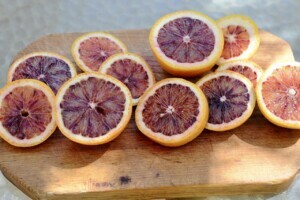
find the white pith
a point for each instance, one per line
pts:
(223, 98)
(292, 91)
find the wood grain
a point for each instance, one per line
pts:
(257, 157)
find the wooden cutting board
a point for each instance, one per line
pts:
(257, 157)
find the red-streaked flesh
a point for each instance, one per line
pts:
(171, 110)
(92, 107)
(237, 40)
(227, 99)
(95, 50)
(25, 112)
(281, 93)
(186, 40)
(132, 74)
(50, 70)
(246, 71)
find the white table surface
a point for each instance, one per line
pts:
(22, 21)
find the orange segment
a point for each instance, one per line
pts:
(132, 70)
(92, 49)
(278, 94)
(93, 109)
(172, 113)
(27, 115)
(186, 43)
(241, 37)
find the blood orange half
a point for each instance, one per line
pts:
(186, 43)
(50, 68)
(93, 109)
(230, 97)
(27, 116)
(245, 67)
(241, 37)
(132, 70)
(172, 113)
(278, 94)
(92, 49)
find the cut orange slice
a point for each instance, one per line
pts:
(93, 109)
(50, 68)
(278, 94)
(27, 116)
(92, 49)
(241, 36)
(230, 97)
(245, 67)
(132, 70)
(172, 113)
(186, 43)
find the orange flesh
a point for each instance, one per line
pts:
(237, 40)
(25, 112)
(281, 93)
